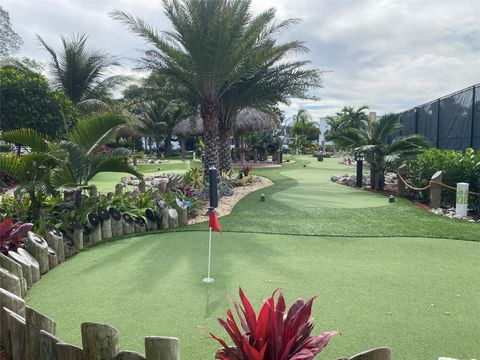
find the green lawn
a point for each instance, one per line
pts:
(381, 276)
(106, 181)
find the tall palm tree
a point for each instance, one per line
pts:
(371, 140)
(305, 130)
(81, 72)
(216, 48)
(348, 117)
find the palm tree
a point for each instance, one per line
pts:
(304, 129)
(371, 140)
(217, 51)
(348, 117)
(82, 72)
(68, 165)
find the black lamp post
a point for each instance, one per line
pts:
(359, 159)
(213, 180)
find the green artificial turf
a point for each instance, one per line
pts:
(106, 181)
(415, 294)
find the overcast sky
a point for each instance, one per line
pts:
(391, 55)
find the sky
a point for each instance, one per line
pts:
(389, 54)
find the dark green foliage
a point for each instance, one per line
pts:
(26, 101)
(457, 166)
(371, 141)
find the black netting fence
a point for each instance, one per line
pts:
(451, 122)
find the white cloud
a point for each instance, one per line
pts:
(389, 54)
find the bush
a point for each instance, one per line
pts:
(274, 333)
(6, 148)
(457, 166)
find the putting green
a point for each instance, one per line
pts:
(417, 295)
(307, 193)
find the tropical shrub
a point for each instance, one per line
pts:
(194, 178)
(274, 335)
(246, 170)
(457, 166)
(12, 235)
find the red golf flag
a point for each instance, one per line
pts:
(214, 222)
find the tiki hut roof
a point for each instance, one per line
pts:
(248, 120)
(189, 127)
(253, 120)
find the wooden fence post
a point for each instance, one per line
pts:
(15, 304)
(34, 322)
(69, 352)
(38, 248)
(161, 348)
(374, 354)
(16, 269)
(48, 346)
(129, 355)
(100, 341)
(15, 343)
(436, 190)
(403, 171)
(10, 282)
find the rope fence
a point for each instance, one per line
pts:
(430, 184)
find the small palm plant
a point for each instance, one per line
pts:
(67, 165)
(274, 335)
(371, 140)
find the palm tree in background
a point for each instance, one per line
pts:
(348, 117)
(371, 140)
(219, 52)
(305, 130)
(82, 73)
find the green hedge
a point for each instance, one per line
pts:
(457, 166)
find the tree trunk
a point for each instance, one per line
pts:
(168, 144)
(242, 149)
(35, 203)
(224, 151)
(182, 146)
(210, 127)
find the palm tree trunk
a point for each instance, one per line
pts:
(224, 152)
(182, 146)
(168, 144)
(242, 149)
(35, 203)
(210, 131)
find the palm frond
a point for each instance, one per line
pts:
(26, 137)
(96, 130)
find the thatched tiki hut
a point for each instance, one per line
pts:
(250, 121)
(188, 128)
(247, 121)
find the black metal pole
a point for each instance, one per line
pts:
(472, 129)
(359, 173)
(212, 182)
(438, 123)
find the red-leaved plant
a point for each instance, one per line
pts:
(12, 235)
(274, 335)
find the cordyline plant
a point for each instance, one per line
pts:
(12, 235)
(274, 334)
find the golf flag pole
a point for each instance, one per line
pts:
(213, 223)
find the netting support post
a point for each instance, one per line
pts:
(436, 190)
(472, 129)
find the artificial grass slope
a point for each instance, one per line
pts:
(376, 291)
(304, 201)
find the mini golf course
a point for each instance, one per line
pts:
(385, 274)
